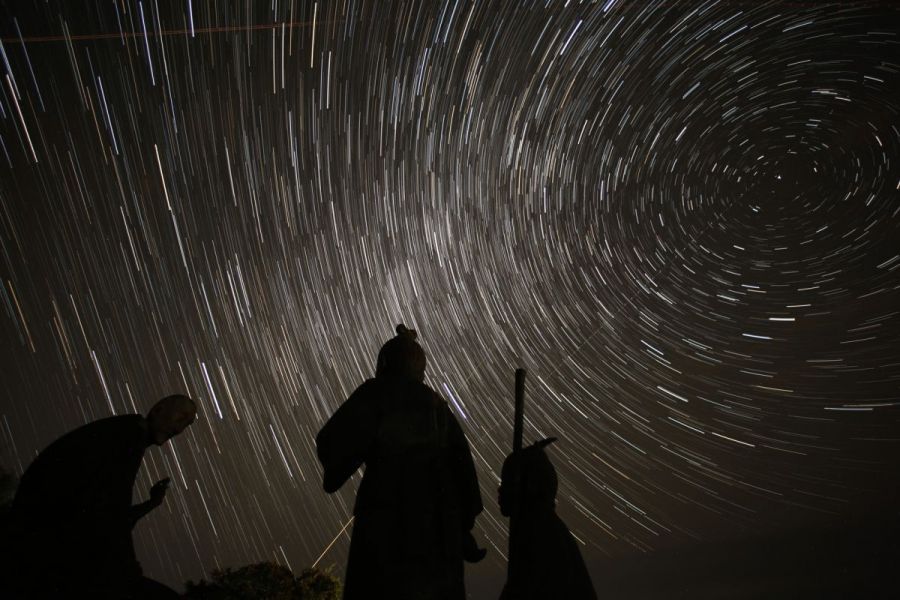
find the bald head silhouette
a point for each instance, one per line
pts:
(169, 417)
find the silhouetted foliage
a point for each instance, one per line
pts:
(265, 581)
(314, 584)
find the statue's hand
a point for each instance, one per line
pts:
(471, 552)
(158, 491)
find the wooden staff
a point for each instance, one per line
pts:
(512, 565)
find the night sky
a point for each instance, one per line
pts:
(682, 218)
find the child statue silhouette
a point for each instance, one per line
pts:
(544, 558)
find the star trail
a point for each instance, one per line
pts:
(681, 217)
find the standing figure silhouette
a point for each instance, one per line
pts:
(419, 496)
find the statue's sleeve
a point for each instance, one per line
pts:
(344, 441)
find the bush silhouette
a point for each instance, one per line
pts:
(265, 581)
(314, 584)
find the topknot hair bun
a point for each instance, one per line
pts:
(402, 331)
(401, 356)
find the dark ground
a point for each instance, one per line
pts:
(856, 561)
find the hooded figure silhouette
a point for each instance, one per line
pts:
(419, 495)
(548, 563)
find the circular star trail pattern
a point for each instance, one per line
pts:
(681, 218)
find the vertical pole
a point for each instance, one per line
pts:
(512, 565)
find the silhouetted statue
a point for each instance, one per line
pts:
(72, 514)
(419, 496)
(548, 561)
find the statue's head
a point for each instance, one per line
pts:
(532, 472)
(401, 356)
(169, 417)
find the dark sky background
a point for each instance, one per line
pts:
(682, 218)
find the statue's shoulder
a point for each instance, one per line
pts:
(430, 394)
